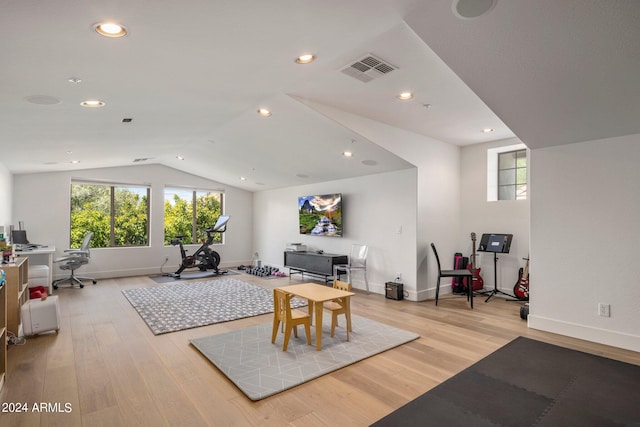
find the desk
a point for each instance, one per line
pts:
(36, 254)
(317, 295)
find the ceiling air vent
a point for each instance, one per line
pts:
(368, 68)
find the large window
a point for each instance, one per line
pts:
(118, 214)
(188, 212)
(512, 175)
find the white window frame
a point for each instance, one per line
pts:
(112, 185)
(492, 169)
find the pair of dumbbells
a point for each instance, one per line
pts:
(262, 271)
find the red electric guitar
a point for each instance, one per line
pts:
(521, 289)
(476, 280)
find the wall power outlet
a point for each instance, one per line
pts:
(604, 310)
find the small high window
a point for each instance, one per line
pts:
(512, 175)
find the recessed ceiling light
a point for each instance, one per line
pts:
(264, 112)
(305, 59)
(110, 29)
(405, 96)
(74, 80)
(487, 130)
(243, 178)
(92, 103)
(347, 153)
(471, 9)
(179, 157)
(75, 161)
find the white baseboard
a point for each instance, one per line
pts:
(588, 333)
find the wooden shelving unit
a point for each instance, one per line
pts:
(17, 292)
(13, 294)
(3, 334)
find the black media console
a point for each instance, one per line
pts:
(313, 263)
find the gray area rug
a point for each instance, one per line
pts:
(170, 308)
(527, 383)
(261, 369)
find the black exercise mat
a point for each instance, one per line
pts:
(526, 383)
(209, 274)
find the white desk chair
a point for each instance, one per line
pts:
(75, 259)
(357, 261)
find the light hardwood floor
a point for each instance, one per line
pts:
(111, 370)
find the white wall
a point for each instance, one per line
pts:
(438, 190)
(501, 216)
(585, 212)
(378, 210)
(6, 192)
(42, 201)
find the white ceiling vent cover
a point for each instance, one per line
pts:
(368, 68)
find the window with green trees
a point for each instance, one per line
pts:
(118, 215)
(188, 212)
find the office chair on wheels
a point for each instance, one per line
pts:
(357, 261)
(453, 273)
(75, 259)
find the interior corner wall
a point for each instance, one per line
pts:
(585, 207)
(378, 210)
(6, 189)
(42, 201)
(500, 216)
(437, 194)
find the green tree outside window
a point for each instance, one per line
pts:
(188, 212)
(118, 215)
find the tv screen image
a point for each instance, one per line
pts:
(321, 215)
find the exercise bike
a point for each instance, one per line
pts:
(204, 258)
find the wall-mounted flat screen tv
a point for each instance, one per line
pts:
(321, 215)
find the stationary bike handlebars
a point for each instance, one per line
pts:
(204, 258)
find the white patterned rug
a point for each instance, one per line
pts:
(261, 369)
(170, 308)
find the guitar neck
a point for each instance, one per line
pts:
(525, 273)
(473, 246)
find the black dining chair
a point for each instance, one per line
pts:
(453, 273)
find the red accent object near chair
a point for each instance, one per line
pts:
(38, 292)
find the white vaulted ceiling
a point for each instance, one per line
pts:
(191, 75)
